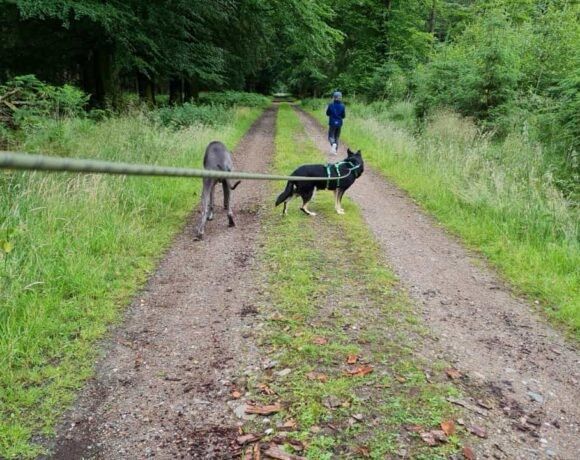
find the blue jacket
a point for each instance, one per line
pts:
(335, 112)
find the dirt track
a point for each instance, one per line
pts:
(161, 388)
(507, 353)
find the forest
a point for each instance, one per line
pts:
(512, 65)
(469, 109)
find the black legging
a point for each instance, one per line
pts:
(333, 134)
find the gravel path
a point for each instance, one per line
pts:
(162, 387)
(525, 371)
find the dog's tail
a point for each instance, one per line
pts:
(287, 193)
(232, 187)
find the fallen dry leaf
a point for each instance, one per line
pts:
(439, 435)
(247, 438)
(433, 437)
(265, 389)
(331, 402)
(467, 405)
(236, 394)
(298, 446)
(360, 371)
(429, 439)
(364, 451)
(452, 373)
(448, 427)
(138, 361)
(477, 431)
(317, 376)
(351, 359)
(256, 452)
(485, 404)
(290, 424)
(468, 453)
(278, 454)
(400, 379)
(248, 455)
(320, 341)
(413, 428)
(263, 410)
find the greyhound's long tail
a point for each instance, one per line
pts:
(287, 193)
(232, 187)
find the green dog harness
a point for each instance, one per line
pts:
(337, 168)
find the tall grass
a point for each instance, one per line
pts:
(500, 196)
(232, 98)
(82, 245)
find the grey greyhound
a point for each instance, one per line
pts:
(218, 158)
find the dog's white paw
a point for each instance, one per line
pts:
(340, 211)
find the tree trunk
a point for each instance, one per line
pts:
(107, 84)
(175, 91)
(146, 89)
(89, 79)
(190, 90)
(432, 14)
(383, 46)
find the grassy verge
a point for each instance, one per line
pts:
(501, 198)
(82, 245)
(329, 297)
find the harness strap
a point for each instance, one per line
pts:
(337, 168)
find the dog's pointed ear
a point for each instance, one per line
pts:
(358, 152)
(349, 152)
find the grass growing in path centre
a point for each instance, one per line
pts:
(331, 300)
(81, 245)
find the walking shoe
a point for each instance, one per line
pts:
(334, 149)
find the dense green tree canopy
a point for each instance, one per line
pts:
(504, 62)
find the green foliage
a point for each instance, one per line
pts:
(388, 82)
(233, 98)
(313, 104)
(25, 100)
(515, 69)
(190, 114)
(477, 74)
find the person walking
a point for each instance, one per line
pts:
(336, 113)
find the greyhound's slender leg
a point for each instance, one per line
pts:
(211, 200)
(228, 202)
(205, 204)
(305, 200)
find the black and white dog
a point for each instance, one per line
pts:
(330, 179)
(217, 158)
